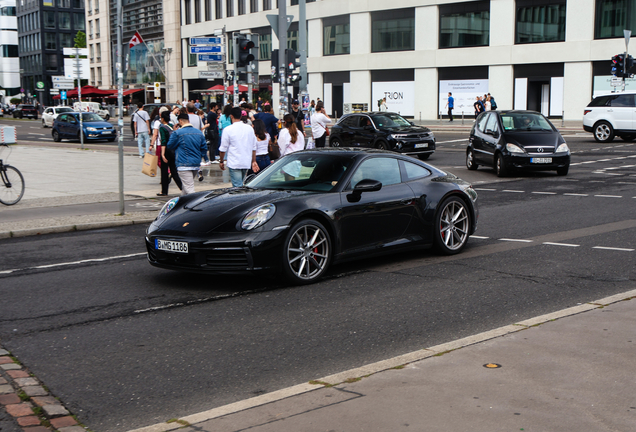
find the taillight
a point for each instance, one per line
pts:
(587, 111)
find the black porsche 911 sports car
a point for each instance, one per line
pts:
(311, 209)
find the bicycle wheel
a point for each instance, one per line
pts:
(12, 189)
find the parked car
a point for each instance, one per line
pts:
(611, 115)
(24, 110)
(311, 209)
(51, 113)
(93, 107)
(509, 140)
(385, 131)
(67, 126)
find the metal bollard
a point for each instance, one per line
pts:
(462, 117)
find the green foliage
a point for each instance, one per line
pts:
(80, 40)
(15, 100)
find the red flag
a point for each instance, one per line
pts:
(135, 40)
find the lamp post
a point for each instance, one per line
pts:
(166, 55)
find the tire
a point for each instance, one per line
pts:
(12, 185)
(424, 156)
(500, 166)
(306, 252)
(452, 225)
(56, 136)
(335, 142)
(628, 138)
(603, 132)
(107, 117)
(470, 160)
(563, 171)
(382, 145)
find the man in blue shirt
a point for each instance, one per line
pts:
(190, 146)
(450, 104)
(271, 122)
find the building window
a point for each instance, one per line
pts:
(197, 11)
(64, 4)
(188, 12)
(91, 52)
(51, 62)
(92, 76)
(78, 4)
(96, 6)
(7, 11)
(89, 6)
(267, 5)
(614, 16)
(253, 6)
(208, 10)
(66, 40)
(49, 41)
(90, 29)
(265, 46)
(336, 35)
(540, 22)
(98, 52)
(464, 24)
(97, 32)
(99, 76)
(393, 30)
(49, 20)
(78, 21)
(10, 51)
(65, 20)
(241, 7)
(192, 58)
(229, 8)
(218, 9)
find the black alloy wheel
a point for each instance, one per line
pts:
(500, 166)
(56, 136)
(452, 225)
(306, 252)
(603, 132)
(382, 145)
(335, 142)
(470, 160)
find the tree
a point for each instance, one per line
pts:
(80, 40)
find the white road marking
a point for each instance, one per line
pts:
(513, 191)
(613, 248)
(484, 238)
(485, 189)
(452, 141)
(560, 244)
(575, 194)
(516, 240)
(544, 193)
(609, 196)
(73, 263)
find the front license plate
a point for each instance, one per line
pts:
(171, 246)
(540, 160)
(421, 145)
(107, 132)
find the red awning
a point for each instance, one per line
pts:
(219, 87)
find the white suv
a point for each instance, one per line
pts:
(610, 115)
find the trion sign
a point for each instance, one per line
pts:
(400, 96)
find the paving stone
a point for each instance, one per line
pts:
(10, 366)
(36, 429)
(24, 382)
(9, 399)
(63, 422)
(29, 421)
(72, 429)
(18, 374)
(35, 391)
(6, 388)
(3, 352)
(55, 410)
(19, 410)
(5, 360)
(44, 400)
(3, 381)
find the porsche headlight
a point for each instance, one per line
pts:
(514, 149)
(563, 148)
(167, 207)
(258, 216)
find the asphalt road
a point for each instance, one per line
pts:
(126, 345)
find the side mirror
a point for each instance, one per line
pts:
(366, 185)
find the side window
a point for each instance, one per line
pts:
(491, 124)
(481, 124)
(49, 111)
(414, 171)
(600, 101)
(62, 118)
(626, 100)
(351, 121)
(382, 169)
(365, 121)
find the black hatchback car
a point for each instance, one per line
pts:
(508, 140)
(383, 130)
(23, 111)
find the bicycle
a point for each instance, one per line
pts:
(12, 187)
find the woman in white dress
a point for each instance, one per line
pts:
(290, 140)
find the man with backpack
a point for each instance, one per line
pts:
(168, 165)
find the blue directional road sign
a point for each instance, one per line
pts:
(210, 57)
(205, 49)
(205, 41)
(63, 94)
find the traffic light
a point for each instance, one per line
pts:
(629, 63)
(275, 76)
(292, 60)
(618, 66)
(244, 57)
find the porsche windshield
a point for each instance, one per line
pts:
(91, 117)
(303, 171)
(515, 122)
(390, 121)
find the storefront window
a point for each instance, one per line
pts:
(540, 23)
(336, 36)
(614, 16)
(464, 24)
(393, 30)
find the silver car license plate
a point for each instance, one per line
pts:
(421, 145)
(540, 160)
(171, 246)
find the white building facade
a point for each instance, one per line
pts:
(9, 58)
(546, 55)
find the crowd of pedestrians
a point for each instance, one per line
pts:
(482, 103)
(242, 139)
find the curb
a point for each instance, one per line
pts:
(71, 228)
(384, 365)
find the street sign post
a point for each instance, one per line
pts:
(205, 41)
(211, 74)
(64, 85)
(205, 49)
(211, 57)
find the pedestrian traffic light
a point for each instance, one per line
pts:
(618, 65)
(244, 57)
(292, 60)
(275, 76)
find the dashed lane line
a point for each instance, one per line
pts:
(613, 248)
(452, 141)
(516, 240)
(561, 244)
(49, 266)
(544, 193)
(609, 196)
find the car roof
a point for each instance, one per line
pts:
(628, 92)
